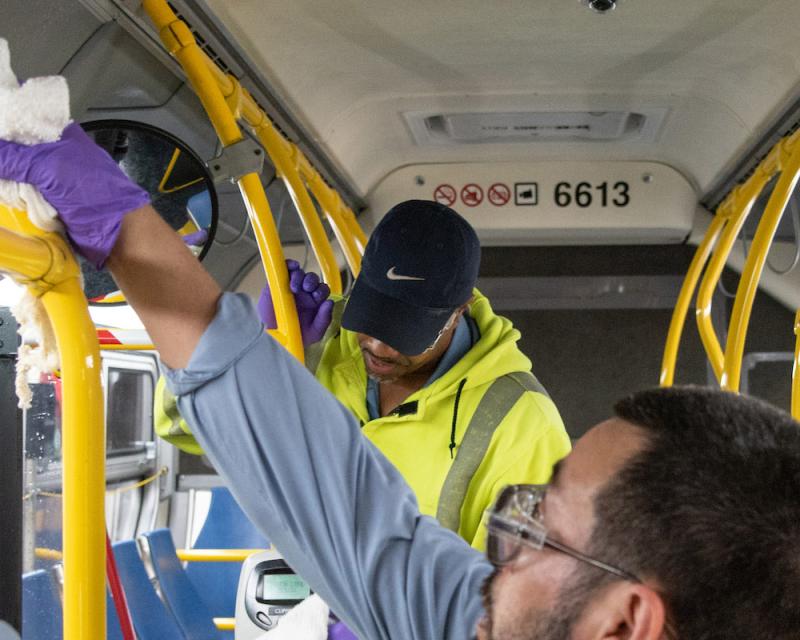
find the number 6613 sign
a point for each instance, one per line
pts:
(587, 194)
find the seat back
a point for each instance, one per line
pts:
(113, 627)
(186, 603)
(151, 619)
(41, 607)
(226, 527)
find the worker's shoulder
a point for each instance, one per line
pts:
(534, 409)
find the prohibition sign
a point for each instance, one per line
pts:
(444, 194)
(499, 194)
(472, 194)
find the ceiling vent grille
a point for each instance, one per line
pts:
(533, 126)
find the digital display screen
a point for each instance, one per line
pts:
(282, 587)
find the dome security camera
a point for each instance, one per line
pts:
(601, 6)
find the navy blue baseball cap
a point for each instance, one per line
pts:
(420, 264)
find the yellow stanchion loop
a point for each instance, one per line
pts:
(789, 165)
(734, 210)
(332, 206)
(795, 372)
(285, 159)
(227, 96)
(678, 320)
(44, 262)
(212, 86)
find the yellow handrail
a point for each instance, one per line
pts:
(216, 555)
(795, 372)
(180, 43)
(225, 624)
(678, 321)
(789, 162)
(734, 210)
(283, 156)
(44, 263)
(347, 230)
(290, 162)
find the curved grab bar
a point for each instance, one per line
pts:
(215, 555)
(789, 161)
(670, 357)
(723, 230)
(734, 210)
(180, 43)
(290, 163)
(44, 263)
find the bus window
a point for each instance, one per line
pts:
(129, 407)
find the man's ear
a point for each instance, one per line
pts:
(623, 611)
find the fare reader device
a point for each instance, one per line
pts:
(268, 589)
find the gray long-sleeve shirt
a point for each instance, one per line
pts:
(337, 510)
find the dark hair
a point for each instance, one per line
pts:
(709, 510)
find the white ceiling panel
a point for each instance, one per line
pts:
(351, 69)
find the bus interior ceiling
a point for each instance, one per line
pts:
(393, 100)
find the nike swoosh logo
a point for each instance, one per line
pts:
(396, 276)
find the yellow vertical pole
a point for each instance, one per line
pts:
(83, 454)
(45, 264)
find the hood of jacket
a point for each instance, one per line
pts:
(493, 355)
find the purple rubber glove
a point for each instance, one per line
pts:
(339, 631)
(83, 184)
(195, 238)
(314, 310)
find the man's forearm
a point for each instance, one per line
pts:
(173, 294)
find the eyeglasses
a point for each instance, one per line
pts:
(443, 330)
(516, 521)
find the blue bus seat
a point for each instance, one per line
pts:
(226, 527)
(41, 607)
(113, 627)
(151, 620)
(187, 604)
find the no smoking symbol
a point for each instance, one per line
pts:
(444, 194)
(499, 194)
(472, 195)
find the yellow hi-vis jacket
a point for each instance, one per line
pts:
(516, 437)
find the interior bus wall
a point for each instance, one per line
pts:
(591, 343)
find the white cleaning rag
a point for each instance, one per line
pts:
(32, 113)
(307, 621)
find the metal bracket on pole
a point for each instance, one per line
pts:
(237, 160)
